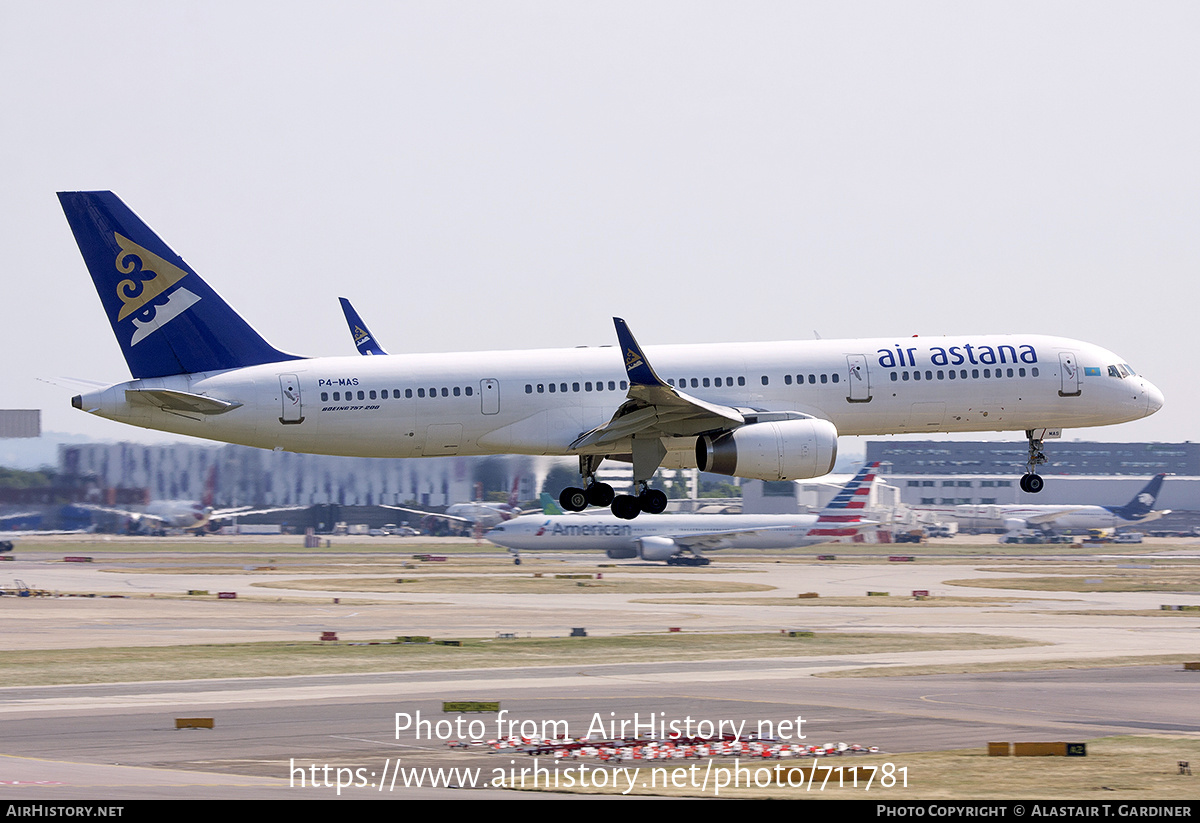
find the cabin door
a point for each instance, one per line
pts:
(859, 378)
(1068, 374)
(489, 392)
(292, 410)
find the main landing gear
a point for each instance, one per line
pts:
(624, 506)
(1031, 481)
(650, 501)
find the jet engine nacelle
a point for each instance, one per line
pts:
(626, 553)
(657, 548)
(1015, 524)
(780, 450)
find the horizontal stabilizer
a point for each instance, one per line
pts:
(180, 401)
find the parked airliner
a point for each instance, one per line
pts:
(478, 515)
(1044, 517)
(195, 516)
(771, 411)
(682, 539)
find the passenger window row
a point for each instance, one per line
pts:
(562, 388)
(962, 374)
(384, 394)
(705, 382)
(685, 382)
(813, 378)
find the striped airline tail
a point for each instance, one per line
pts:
(847, 506)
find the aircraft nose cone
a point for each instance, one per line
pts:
(1154, 399)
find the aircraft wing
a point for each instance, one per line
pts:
(654, 407)
(229, 514)
(1050, 517)
(423, 513)
(724, 539)
(19, 516)
(129, 513)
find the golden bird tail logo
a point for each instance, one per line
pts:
(151, 277)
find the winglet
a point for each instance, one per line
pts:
(363, 339)
(640, 372)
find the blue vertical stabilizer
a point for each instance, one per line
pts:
(166, 319)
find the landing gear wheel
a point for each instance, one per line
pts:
(573, 499)
(626, 507)
(600, 494)
(1032, 483)
(653, 501)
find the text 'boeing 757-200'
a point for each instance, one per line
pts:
(771, 411)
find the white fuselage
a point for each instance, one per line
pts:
(1010, 517)
(604, 532)
(540, 401)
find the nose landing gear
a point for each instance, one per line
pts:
(1031, 481)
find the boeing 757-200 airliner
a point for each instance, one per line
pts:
(760, 410)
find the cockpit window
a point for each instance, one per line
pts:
(1120, 371)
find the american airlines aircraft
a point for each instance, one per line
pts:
(1043, 517)
(681, 539)
(771, 411)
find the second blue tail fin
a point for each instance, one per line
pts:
(364, 341)
(166, 319)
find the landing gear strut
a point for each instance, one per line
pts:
(1031, 481)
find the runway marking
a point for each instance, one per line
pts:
(372, 742)
(1003, 708)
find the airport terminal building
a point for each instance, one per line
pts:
(938, 473)
(1007, 458)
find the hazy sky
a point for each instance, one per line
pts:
(481, 175)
